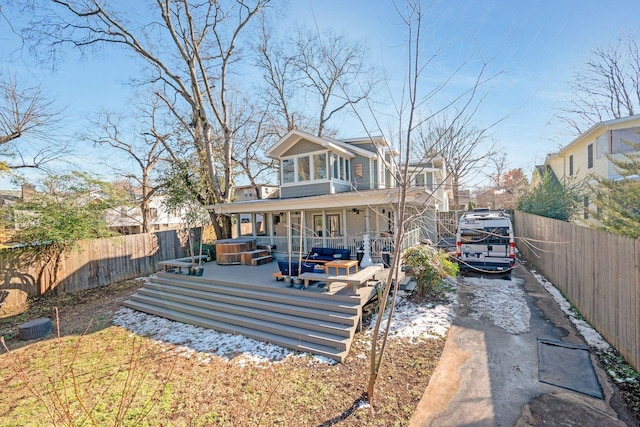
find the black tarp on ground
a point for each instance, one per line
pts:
(567, 365)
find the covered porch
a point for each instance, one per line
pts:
(344, 220)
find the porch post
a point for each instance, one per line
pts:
(366, 242)
(324, 228)
(254, 224)
(344, 228)
(238, 226)
(289, 234)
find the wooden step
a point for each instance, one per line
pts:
(303, 320)
(281, 289)
(298, 344)
(321, 320)
(261, 260)
(343, 303)
(295, 332)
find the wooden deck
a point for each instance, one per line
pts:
(249, 301)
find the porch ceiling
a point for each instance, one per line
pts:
(346, 200)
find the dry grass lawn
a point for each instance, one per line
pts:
(105, 376)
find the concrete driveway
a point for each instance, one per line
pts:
(488, 372)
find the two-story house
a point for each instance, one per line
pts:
(334, 192)
(588, 156)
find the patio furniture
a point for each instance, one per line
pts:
(328, 254)
(182, 262)
(342, 263)
(354, 281)
(295, 269)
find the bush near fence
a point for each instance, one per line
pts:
(598, 272)
(94, 263)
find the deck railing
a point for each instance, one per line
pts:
(380, 243)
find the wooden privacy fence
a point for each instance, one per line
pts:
(598, 272)
(95, 263)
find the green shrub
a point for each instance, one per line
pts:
(430, 267)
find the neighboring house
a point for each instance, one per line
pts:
(128, 219)
(494, 198)
(9, 198)
(250, 192)
(333, 192)
(587, 156)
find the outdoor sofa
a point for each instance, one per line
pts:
(295, 268)
(328, 254)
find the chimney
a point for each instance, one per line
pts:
(28, 192)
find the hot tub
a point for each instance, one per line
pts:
(228, 250)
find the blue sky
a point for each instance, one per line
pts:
(536, 46)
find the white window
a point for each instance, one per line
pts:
(603, 144)
(288, 171)
(304, 168)
(621, 139)
(320, 166)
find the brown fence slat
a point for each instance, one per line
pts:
(597, 272)
(98, 262)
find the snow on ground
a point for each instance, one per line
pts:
(591, 336)
(501, 302)
(197, 341)
(410, 320)
(419, 321)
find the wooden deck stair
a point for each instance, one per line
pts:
(305, 321)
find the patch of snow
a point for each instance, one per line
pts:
(501, 302)
(191, 340)
(590, 335)
(418, 321)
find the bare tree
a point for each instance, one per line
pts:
(189, 49)
(27, 116)
(416, 94)
(606, 87)
(250, 154)
(460, 142)
(498, 162)
(145, 147)
(326, 67)
(278, 69)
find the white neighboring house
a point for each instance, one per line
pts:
(588, 155)
(128, 219)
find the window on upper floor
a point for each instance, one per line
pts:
(571, 165)
(304, 172)
(603, 145)
(320, 166)
(617, 142)
(304, 168)
(589, 156)
(288, 171)
(341, 167)
(621, 138)
(424, 179)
